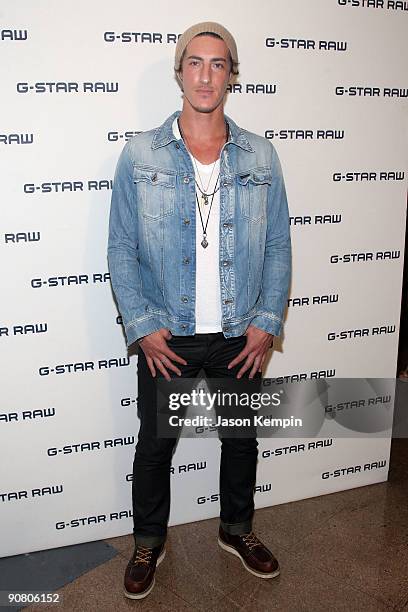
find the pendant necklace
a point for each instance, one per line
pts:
(204, 242)
(204, 195)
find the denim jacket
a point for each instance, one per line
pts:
(152, 246)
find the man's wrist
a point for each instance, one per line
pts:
(267, 322)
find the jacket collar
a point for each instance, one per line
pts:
(164, 134)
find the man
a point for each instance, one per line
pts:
(199, 256)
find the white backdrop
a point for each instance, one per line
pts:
(326, 81)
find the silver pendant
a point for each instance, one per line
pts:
(204, 243)
(205, 198)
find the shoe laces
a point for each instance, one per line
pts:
(251, 540)
(143, 555)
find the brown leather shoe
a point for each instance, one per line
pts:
(139, 574)
(255, 557)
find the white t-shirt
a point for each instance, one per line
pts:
(208, 292)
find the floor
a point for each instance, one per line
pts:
(345, 551)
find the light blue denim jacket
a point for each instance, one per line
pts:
(152, 246)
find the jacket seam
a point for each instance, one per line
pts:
(269, 316)
(136, 321)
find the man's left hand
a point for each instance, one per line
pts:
(257, 344)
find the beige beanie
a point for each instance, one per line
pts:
(199, 28)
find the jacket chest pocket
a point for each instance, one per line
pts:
(253, 193)
(156, 189)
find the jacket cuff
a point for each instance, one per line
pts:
(141, 327)
(267, 321)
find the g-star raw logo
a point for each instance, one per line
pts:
(296, 448)
(23, 330)
(184, 468)
(22, 237)
(252, 88)
(215, 497)
(86, 521)
(331, 409)
(72, 279)
(25, 494)
(115, 136)
(371, 92)
(290, 378)
(330, 298)
(20, 139)
(351, 334)
(84, 366)
(306, 44)
(391, 5)
(316, 219)
(365, 256)
(361, 177)
(58, 87)
(27, 415)
(298, 134)
(128, 401)
(69, 186)
(13, 34)
(84, 447)
(141, 37)
(355, 469)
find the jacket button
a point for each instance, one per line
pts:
(184, 299)
(186, 179)
(225, 263)
(227, 224)
(183, 326)
(186, 260)
(154, 177)
(227, 328)
(186, 221)
(177, 145)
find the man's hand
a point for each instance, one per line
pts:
(159, 354)
(257, 344)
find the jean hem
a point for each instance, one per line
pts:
(237, 528)
(150, 541)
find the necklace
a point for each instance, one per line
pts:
(204, 194)
(202, 190)
(204, 242)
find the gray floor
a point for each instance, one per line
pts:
(345, 551)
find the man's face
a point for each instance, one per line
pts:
(205, 73)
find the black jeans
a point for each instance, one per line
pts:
(211, 352)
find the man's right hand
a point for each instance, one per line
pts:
(158, 353)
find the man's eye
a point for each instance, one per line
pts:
(219, 65)
(193, 62)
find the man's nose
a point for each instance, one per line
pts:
(205, 73)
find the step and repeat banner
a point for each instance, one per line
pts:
(326, 82)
